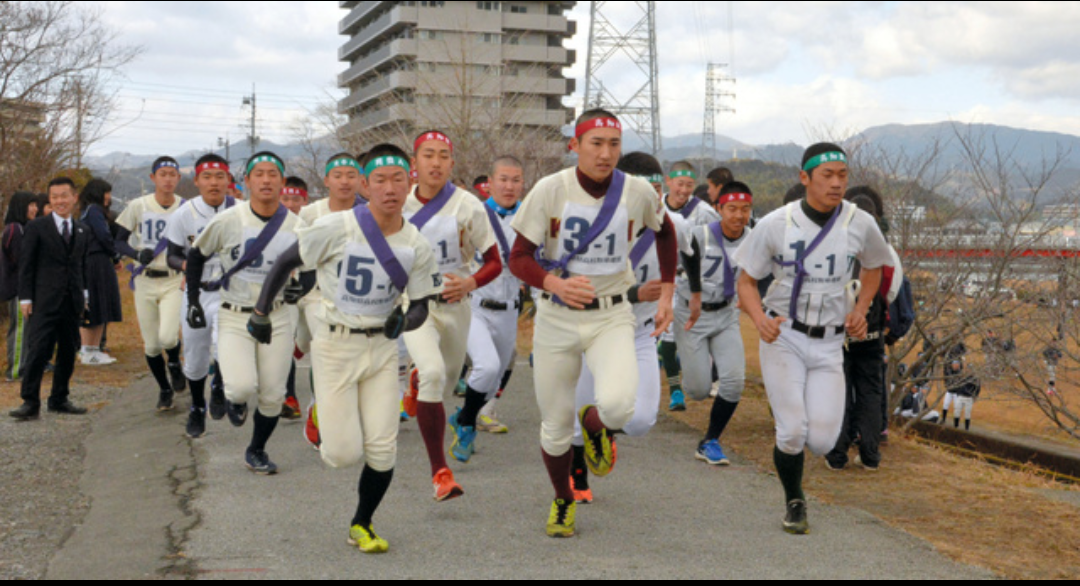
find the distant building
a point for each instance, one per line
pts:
(412, 65)
(21, 120)
(907, 214)
(1062, 215)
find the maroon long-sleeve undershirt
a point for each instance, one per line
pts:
(523, 263)
(493, 267)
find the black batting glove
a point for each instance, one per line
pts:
(261, 328)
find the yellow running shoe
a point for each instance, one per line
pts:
(489, 425)
(561, 522)
(599, 454)
(367, 541)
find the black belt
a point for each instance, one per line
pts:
(371, 333)
(246, 310)
(596, 305)
(496, 306)
(151, 274)
(812, 332)
(713, 307)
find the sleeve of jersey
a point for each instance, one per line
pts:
(667, 248)
(493, 267)
(523, 263)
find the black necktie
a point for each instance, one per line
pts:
(66, 234)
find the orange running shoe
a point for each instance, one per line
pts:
(583, 497)
(412, 398)
(311, 428)
(445, 487)
(291, 411)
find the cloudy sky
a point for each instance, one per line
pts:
(802, 68)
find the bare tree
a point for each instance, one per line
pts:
(56, 59)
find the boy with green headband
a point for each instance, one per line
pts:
(687, 213)
(810, 246)
(343, 177)
(355, 358)
(249, 239)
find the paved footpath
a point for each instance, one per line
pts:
(167, 507)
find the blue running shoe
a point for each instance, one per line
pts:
(711, 453)
(678, 402)
(464, 440)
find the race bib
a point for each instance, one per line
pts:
(260, 269)
(152, 229)
(364, 288)
(828, 267)
(442, 233)
(608, 254)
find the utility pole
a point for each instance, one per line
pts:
(640, 109)
(226, 144)
(253, 137)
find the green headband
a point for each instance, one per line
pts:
(654, 179)
(814, 163)
(380, 162)
(686, 173)
(265, 159)
(343, 162)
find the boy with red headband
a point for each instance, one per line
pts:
(716, 339)
(456, 225)
(574, 233)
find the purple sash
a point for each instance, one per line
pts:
(433, 207)
(800, 263)
(253, 252)
(642, 248)
(162, 246)
(500, 235)
(689, 208)
(383, 253)
(729, 271)
(607, 211)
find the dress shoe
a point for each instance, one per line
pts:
(67, 409)
(26, 413)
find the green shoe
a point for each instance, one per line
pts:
(560, 524)
(367, 541)
(599, 454)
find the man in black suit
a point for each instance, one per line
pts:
(52, 295)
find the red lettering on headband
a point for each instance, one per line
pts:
(597, 124)
(437, 136)
(211, 166)
(735, 197)
(294, 191)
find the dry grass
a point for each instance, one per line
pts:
(125, 344)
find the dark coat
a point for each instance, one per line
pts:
(50, 271)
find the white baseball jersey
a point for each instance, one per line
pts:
(147, 220)
(713, 261)
(185, 227)
(558, 214)
(357, 291)
(786, 233)
(229, 234)
(506, 288)
(457, 233)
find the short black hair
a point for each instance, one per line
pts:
(161, 160)
(702, 192)
(18, 211)
(94, 193)
(796, 193)
(384, 150)
(874, 204)
(720, 176)
(62, 181)
(683, 166)
(481, 179)
(507, 161)
(820, 149)
(296, 183)
(211, 158)
(640, 164)
(735, 187)
(593, 114)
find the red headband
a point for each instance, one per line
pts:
(209, 166)
(595, 124)
(430, 137)
(294, 191)
(732, 197)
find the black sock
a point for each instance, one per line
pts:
(956, 423)
(474, 403)
(217, 382)
(373, 487)
(290, 385)
(944, 417)
(967, 425)
(505, 381)
(722, 412)
(161, 375)
(174, 355)
(198, 393)
(580, 470)
(264, 428)
(790, 469)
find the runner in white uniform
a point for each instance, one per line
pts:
(200, 346)
(249, 239)
(809, 246)
(366, 258)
